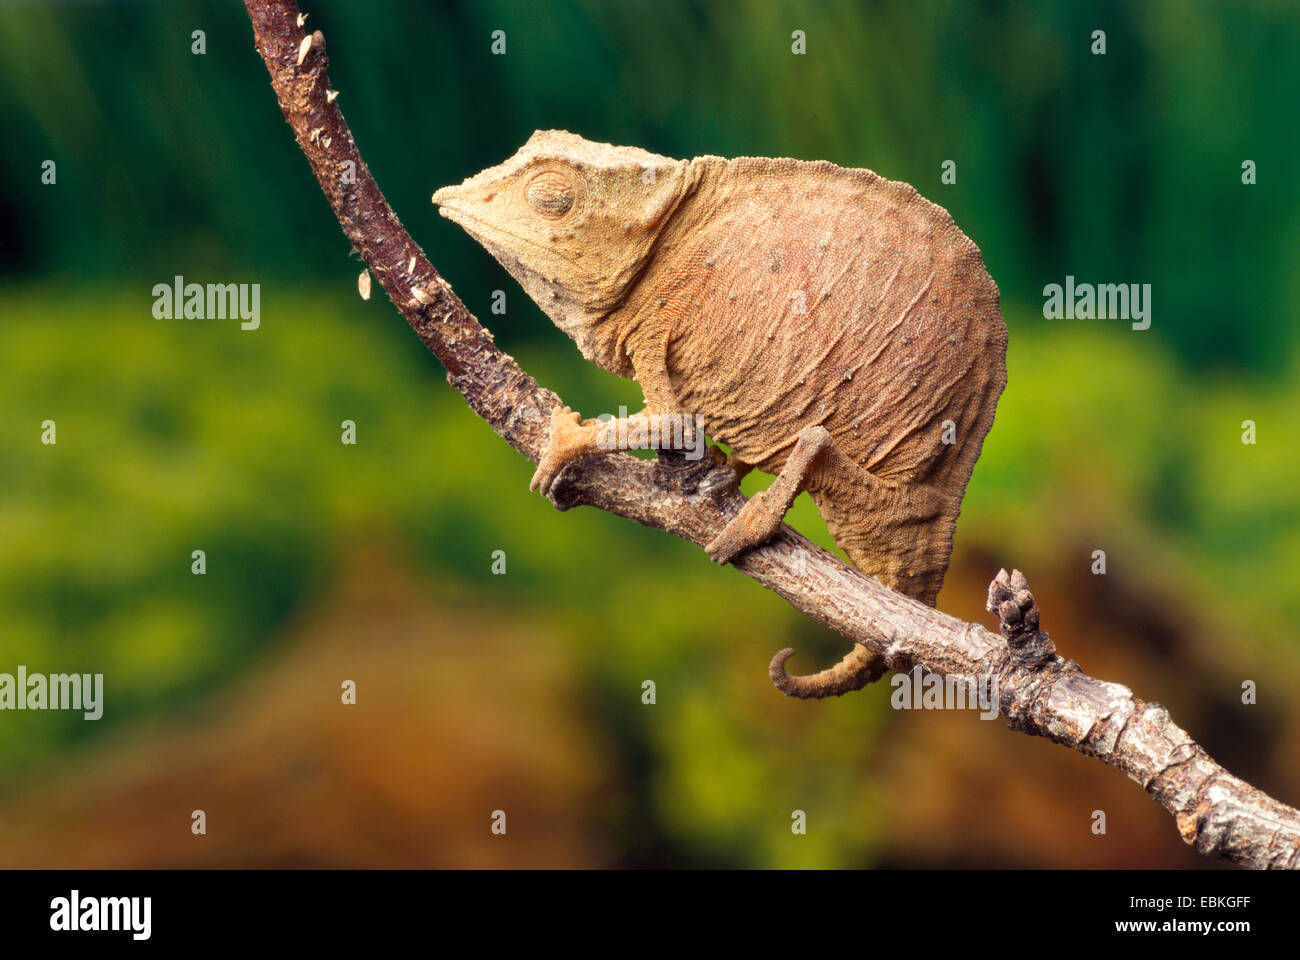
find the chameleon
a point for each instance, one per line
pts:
(831, 327)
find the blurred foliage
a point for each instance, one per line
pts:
(200, 435)
(180, 435)
(1123, 167)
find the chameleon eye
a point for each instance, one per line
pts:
(551, 194)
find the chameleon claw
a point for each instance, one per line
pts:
(754, 525)
(543, 480)
(563, 446)
(723, 548)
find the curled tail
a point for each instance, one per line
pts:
(910, 556)
(858, 668)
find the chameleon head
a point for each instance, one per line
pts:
(573, 221)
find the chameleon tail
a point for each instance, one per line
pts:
(858, 668)
(910, 560)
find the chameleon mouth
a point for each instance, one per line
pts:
(444, 195)
(488, 234)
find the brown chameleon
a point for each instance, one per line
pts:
(830, 326)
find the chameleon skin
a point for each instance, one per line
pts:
(830, 326)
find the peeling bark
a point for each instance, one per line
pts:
(1039, 692)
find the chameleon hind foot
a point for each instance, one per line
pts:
(756, 523)
(761, 516)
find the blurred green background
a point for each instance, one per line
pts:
(522, 691)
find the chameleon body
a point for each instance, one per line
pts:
(830, 326)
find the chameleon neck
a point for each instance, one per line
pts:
(659, 300)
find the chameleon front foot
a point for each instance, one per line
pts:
(755, 524)
(569, 440)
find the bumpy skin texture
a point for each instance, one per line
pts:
(830, 326)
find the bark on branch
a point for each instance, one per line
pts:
(1039, 692)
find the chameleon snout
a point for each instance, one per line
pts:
(444, 196)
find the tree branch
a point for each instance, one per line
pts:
(1039, 692)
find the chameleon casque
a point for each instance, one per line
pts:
(830, 326)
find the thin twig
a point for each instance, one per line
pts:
(1039, 692)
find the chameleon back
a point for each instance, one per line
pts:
(805, 294)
